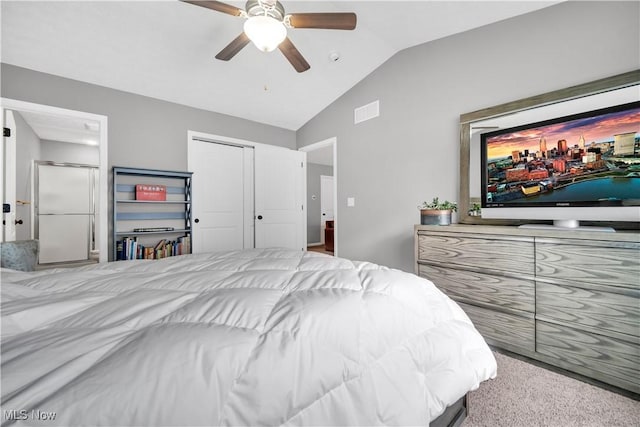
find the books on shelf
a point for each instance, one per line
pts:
(129, 248)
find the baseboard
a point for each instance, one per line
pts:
(576, 376)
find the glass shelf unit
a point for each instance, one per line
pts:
(130, 214)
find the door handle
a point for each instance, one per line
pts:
(197, 220)
(18, 221)
(259, 216)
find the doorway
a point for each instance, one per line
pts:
(42, 132)
(326, 212)
(322, 187)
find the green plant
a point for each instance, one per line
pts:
(436, 204)
(476, 207)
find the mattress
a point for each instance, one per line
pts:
(257, 337)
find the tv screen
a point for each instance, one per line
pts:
(581, 160)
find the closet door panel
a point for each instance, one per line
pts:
(218, 202)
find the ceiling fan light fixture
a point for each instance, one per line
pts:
(265, 32)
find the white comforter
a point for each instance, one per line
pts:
(260, 337)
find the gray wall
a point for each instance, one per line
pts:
(27, 149)
(143, 132)
(392, 163)
(313, 206)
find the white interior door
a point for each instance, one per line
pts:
(326, 203)
(220, 183)
(9, 176)
(280, 185)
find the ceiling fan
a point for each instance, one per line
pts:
(266, 26)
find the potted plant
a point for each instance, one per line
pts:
(476, 210)
(436, 212)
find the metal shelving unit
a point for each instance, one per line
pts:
(130, 214)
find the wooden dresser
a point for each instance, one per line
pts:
(567, 298)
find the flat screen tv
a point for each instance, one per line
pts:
(581, 167)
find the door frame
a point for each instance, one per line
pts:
(102, 226)
(220, 139)
(248, 238)
(330, 142)
(193, 136)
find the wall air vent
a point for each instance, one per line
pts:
(366, 112)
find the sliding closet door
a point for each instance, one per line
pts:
(228, 179)
(65, 212)
(218, 186)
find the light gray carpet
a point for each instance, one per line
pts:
(525, 395)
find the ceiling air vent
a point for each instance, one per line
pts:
(366, 112)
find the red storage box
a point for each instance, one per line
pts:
(151, 192)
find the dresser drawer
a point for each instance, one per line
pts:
(506, 255)
(592, 308)
(568, 298)
(571, 262)
(482, 289)
(503, 328)
(607, 359)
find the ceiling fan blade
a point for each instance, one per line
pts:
(294, 56)
(217, 6)
(329, 21)
(233, 48)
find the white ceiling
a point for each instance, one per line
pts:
(166, 49)
(63, 128)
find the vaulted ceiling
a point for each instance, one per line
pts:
(166, 49)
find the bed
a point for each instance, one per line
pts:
(256, 337)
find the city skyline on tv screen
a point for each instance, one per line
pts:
(597, 129)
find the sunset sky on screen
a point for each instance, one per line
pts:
(594, 129)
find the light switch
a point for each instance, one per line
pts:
(351, 201)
